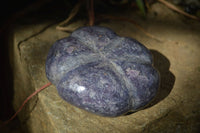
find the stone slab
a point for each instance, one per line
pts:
(176, 54)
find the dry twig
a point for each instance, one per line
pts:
(27, 99)
(74, 11)
(173, 7)
(133, 22)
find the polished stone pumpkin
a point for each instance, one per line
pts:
(101, 72)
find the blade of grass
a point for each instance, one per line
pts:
(141, 6)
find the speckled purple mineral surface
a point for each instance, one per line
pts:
(101, 72)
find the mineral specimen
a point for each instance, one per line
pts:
(101, 72)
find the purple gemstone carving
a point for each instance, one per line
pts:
(101, 72)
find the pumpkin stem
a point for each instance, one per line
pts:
(91, 12)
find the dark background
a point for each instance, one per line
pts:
(8, 9)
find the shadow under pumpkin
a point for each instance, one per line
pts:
(167, 78)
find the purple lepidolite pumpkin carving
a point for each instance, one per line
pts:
(101, 72)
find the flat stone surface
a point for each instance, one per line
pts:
(176, 55)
